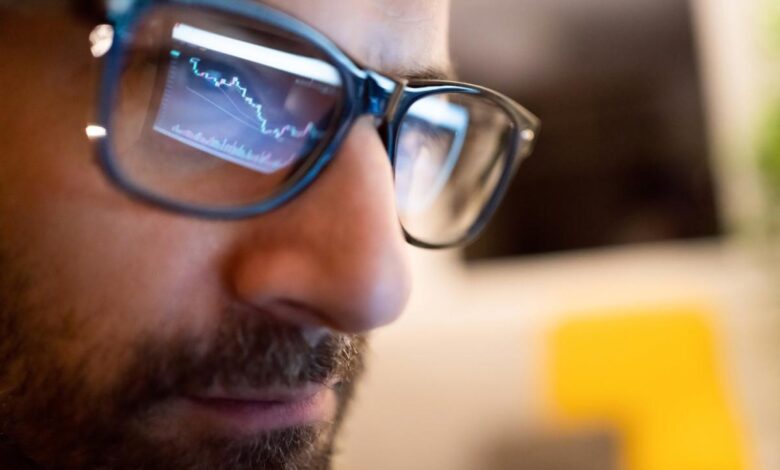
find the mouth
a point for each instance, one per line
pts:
(250, 411)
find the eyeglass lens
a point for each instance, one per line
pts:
(451, 153)
(219, 114)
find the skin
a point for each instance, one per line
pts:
(97, 274)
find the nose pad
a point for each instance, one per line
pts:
(336, 253)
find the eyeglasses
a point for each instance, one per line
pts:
(229, 110)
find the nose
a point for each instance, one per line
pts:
(335, 256)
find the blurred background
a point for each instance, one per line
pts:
(623, 310)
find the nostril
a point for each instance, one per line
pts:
(310, 319)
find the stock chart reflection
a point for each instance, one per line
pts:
(244, 103)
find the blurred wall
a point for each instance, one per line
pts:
(737, 78)
(623, 156)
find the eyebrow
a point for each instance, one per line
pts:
(427, 73)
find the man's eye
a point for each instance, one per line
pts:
(423, 142)
(140, 72)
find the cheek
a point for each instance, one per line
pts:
(94, 301)
(102, 270)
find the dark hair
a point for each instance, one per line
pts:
(91, 9)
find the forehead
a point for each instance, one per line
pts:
(395, 36)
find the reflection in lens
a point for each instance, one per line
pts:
(217, 104)
(215, 114)
(451, 152)
(430, 143)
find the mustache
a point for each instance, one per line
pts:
(247, 351)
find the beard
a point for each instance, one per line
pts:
(52, 415)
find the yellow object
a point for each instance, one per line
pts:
(656, 378)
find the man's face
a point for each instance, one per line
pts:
(137, 338)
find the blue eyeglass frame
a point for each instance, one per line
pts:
(366, 92)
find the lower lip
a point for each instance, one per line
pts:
(246, 416)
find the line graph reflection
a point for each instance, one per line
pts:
(257, 116)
